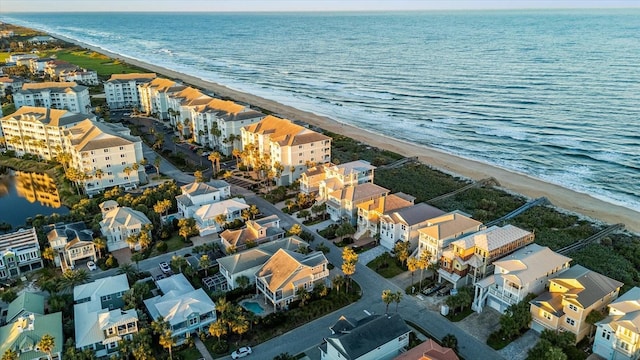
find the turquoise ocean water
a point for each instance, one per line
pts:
(551, 94)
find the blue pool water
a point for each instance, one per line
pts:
(253, 306)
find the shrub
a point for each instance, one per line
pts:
(111, 262)
(161, 246)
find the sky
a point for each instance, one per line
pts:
(7, 6)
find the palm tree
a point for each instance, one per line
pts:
(127, 170)
(397, 297)
(205, 263)
(387, 299)
(137, 257)
(218, 329)
(156, 164)
(72, 278)
(167, 342)
(46, 344)
(10, 355)
(221, 219)
(215, 157)
(412, 264)
(162, 206)
(199, 176)
(423, 263)
(240, 325)
(128, 270)
(178, 262)
(338, 281)
(237, 154)
(100, 245)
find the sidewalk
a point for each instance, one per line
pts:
(203, 349)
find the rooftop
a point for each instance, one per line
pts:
(285, 132)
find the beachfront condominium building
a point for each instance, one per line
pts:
(326, 178)
(154, 96)
(526, 271)
(287, 274)
(38, 130)
(218, 124)
(71, 243)
(54, 68)
(119, 223)
(342, 203)
(186, 310)
(618, 335)
(25, 324)
(180, 105)
(19, 253)
(439, 232)
(572, 295)
(121, 90)
(467, 259)
(56, 95)
(283, 148)
(402, 225)
(36, 66)
(100, 322)
(106, 154)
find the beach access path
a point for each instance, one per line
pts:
(579, 203)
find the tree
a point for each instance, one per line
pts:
(593, 317)
(243, 281)
(338, 281)
(289, 204)
(345, 229)
(100, 245)
(137, 257)
(240, 325)
(156, 164)
(450, 341)
(254, 211)
(46, 344)
(296, 230)
(72, 278)
(387, 298)
(187, 228)
(397, 297)
(178, 262)
(401, 248)
(167, 342)
(237, 154)
(303, 295)
(162, 206)
(218, 329)
(199, 176)
(9, 354)
(516, 317)
(221, 219)
(128, 270)
(423, 263)
(48, 253)
(159, 325)
(285, 356)
(144, 238)
(304, 214)
(215, 157)
(412, 264)
(205, 263)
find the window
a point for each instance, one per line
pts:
(571, 322)
(107, 158)
(106, 150)
(193, 321)
(606, 334)
(573, 307)
(546, 315)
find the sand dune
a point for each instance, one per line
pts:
(570, 200)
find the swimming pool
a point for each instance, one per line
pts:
(253, 306)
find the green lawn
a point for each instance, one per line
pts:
(190, 353)
(102, 64)
(386, 266)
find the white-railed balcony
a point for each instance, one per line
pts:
(320, 275)
(505, 295)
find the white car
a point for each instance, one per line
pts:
(91, 265)
(165, 267)
(242, 352)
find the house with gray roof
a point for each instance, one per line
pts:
(56, 95)
(571, 297)
(118, 223)
(247, 263)
(185, 309)
(403, 224)
(71, 243)
(26, 324)
(197, 194)
(618, 335)
(379, 337)
(100, 322)
(121, 90)
(19, 253)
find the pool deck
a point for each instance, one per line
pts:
(267, 307)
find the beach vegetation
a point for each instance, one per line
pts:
(419, 180)
(92, 60)
(345, 149)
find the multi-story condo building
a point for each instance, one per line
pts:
(71, 243)
(57, 95)
(107, 154)
(38, 130)
(36, 66)
(247, 263)
(154, 96)
(285, 148)
(25, 324)
(54, 68)
(571, 297)
(118, 223)
(100, 322)
(10, 84)
(82, 76)
(185, 309)
(439, 232)
(326, 178)
(180, 105)
(618, 335)
(121, 90)
(287, 273)
(370, 212)
(218, 124)
(19, 253)
(342, 204)
(379, 337)
(20, 59)
(403, 224)
(526, 271)
(195, 195)
(469, 258)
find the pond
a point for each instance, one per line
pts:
(24, 195)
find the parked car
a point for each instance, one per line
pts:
(165, 267)
(242, 352)
(445, 290)
(432, 289)
(91, 265)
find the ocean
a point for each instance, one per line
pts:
(551, 94)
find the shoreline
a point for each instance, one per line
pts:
(566, 199)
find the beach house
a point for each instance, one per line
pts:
(403, 224)
(441, 231)
(80, 76)
(197, 194)
(211, 218)
(428, 350)
(618, 335)
(526, 271)
(121, 90)
(254, 232)
(380, 337)
(469, 258)
(10, 84)
(19, 253)
(247, 263)
(287, 273)
(118, 223)
(56, 95)
(571, 297)
(325, 178)
(286, 148)
(24, 326)
(100, 322)
(71, 243)
(185, 309)
(342, 204)
(39, 131)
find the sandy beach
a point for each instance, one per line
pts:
(572, 201)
